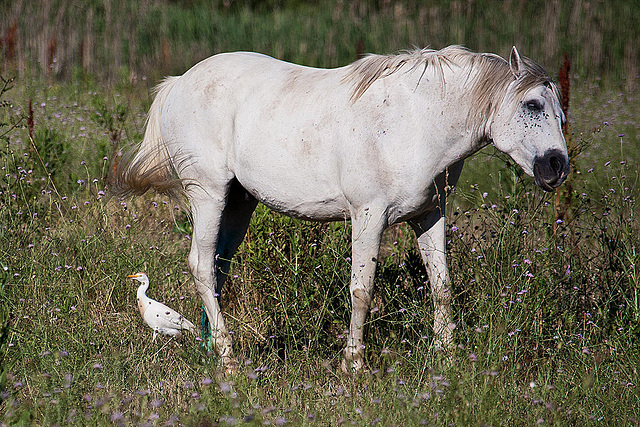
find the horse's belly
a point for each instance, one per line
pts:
(309, 209)
(298, 198)
(295, 191)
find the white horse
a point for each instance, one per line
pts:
(378, 142)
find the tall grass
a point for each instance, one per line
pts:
(140, 38)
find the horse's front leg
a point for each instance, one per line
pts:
(367, 227)
(431, 240)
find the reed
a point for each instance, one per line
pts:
(140, 38)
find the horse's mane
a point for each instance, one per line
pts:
(488, 76)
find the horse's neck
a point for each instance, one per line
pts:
(457, 104)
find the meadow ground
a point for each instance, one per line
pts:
(547, 288)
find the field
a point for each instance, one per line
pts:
(547, 287)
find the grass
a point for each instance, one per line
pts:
(547, 312)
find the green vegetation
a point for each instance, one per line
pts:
(547, 290)
(135, 38)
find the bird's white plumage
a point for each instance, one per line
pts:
(162, 319)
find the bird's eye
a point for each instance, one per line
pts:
(534, 105)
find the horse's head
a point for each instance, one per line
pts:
(528, 124)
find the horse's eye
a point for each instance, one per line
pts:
(534, 105)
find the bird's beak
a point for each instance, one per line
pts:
(132, 276)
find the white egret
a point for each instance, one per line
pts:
(162, 319)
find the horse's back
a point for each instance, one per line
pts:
(272, 125)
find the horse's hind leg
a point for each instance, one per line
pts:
(207, 208)
(235, 221)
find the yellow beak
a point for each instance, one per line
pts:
(132, 276)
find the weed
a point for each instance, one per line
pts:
(546, 311)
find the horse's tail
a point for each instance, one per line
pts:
(149, 165)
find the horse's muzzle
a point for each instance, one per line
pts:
(551, 169)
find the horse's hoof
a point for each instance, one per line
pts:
(230, 365)
(353, 367)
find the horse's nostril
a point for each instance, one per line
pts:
(551, 169)
(556, 164)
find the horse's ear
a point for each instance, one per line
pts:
(515, 63)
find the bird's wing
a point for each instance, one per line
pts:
(158, 315)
